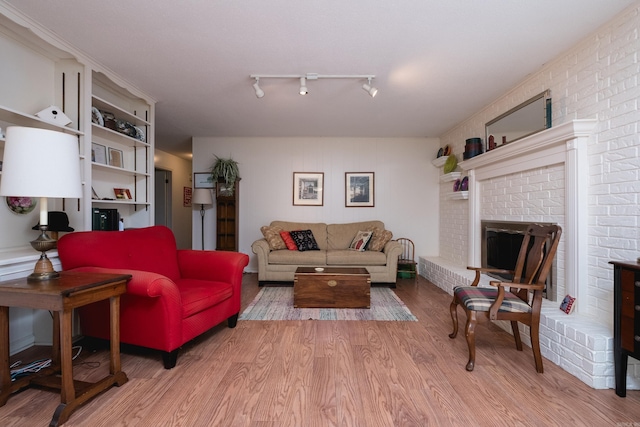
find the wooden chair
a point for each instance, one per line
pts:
(521, 302)
(406, 260)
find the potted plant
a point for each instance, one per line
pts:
(225, 170)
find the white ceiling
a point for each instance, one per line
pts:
(436, 62)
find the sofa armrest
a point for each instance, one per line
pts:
(261, 248)
(142, 283)
(220, 266)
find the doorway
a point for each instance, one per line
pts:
(163, 182)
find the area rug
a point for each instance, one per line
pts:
(276, 303)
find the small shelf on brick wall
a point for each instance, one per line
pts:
(440, 161)
(458, 195)
(449, 177)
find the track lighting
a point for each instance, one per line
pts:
(372, 91)
(303, 86)
(256, 87)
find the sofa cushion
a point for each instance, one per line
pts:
(319, 230)
(359, 242)
(349, 257)
(379, 239)
(304, 240)
(272, 236)
(298, 258)
(340, 235)
(199, 295)
(291, 245)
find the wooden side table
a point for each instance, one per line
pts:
(62, 295)
(626, 319)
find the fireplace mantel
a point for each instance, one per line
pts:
(564, 144)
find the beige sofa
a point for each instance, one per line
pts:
(333, 241)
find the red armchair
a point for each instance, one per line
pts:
(173, 296)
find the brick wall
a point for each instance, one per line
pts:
(598, 78)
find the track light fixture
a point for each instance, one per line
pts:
(372, 91)
(303, 86)
(256, 87)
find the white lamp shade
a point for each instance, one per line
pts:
(202, 196)
(40, 163)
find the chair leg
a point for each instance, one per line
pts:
(516, 334)
(453, 308)
(232, 321)
(535, 346)
(170, 358)
(470, 333)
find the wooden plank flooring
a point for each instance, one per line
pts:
(337, 373)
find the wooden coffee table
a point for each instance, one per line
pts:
(334, 287)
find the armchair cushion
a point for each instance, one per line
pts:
(476, 298)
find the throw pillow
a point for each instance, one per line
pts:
(272, 236)
(304, 240)
(360, 241)
(286, 237)
(379, 239)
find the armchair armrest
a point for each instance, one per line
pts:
(142, 283)
(221, 266)
(480, 270)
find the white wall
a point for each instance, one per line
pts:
(406, 184)
(181, 177)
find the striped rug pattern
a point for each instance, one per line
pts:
(276, 303)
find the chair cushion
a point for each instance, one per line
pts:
(199, 295)
(480, 299)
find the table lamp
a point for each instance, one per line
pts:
(202, 196)
(45, 164)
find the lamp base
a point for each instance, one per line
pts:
(44, 268)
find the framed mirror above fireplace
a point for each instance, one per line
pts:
(528, 118)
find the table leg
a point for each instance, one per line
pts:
(5, 371)
(67, 391)
(55, 346)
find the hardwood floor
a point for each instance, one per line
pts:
(337, 373)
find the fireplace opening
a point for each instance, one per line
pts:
(500, 245)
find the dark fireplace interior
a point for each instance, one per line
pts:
(501, 241)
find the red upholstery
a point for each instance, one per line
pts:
(173, 295)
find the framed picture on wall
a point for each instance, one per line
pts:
(308, 188)
(202, 180)
(359, 189)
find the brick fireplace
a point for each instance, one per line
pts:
(551, 168)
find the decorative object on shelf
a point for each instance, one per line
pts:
(359, 189)
(440, 152)
(446, 150)
(567, 305)
(122, 194)
(94, 195)
(21, 205)
(54, 115)
(96, 116)
(464, 184)
(456, 185)
(30, 154)
(372, 91)
(472, 147)
(202, 180)
(225, 170)
(202, 197)
(115, 158)
(140, 134)
(98, 153)
(450, 164)
(308, 188)
(491, 143)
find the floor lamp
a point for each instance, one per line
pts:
(45, 164)
(202, 197)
